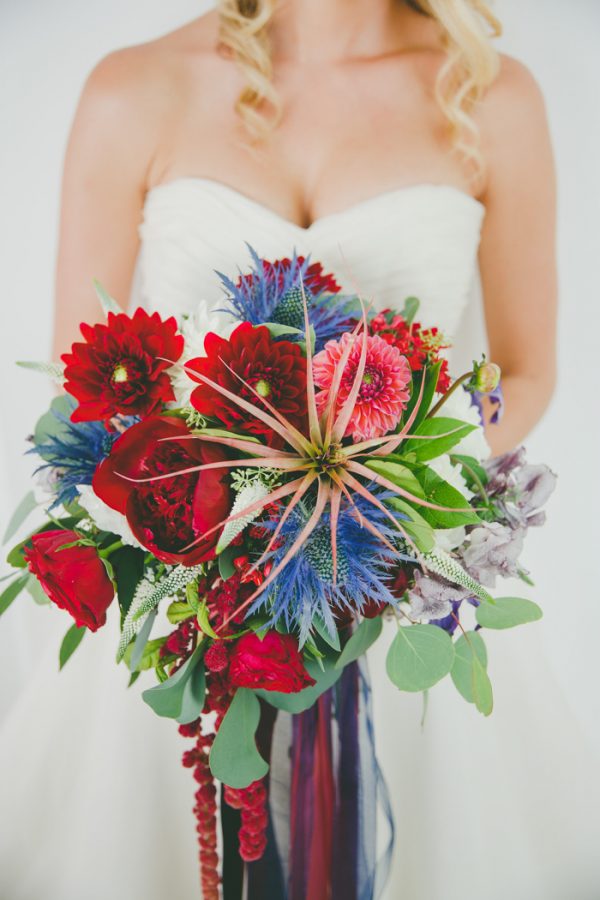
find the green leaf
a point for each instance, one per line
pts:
(25, 507)
(234, 759)
(11, 592)
(415, 526)
(438, 425)
(141, 640)
(128, 566)
(507, 612)
(70, 643)
(396, 472)
(179, 611)
(193, 695)
(471, 467)
(37, 592)
(50, 425)
(225, 562)
(204, 621)
(276, 330)
(419, 656)
(431, 375)
(462, 668)
(325, 677)
(332, 640)
(442, 493)
(167, 699)
(410, 309)
(482, 688)
(222, 432)
(150, 658)
(363, 636)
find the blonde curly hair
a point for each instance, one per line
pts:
(471, 66)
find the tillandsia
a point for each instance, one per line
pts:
(275, 491)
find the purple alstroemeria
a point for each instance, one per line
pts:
(496, 397)
(493, 549)
(432, 598)
(519, 489)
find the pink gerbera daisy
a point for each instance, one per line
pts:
(383, 393)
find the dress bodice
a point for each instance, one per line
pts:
(420, 240)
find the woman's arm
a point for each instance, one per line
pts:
(110, 150)
(517, 253)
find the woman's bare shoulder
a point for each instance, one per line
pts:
(513, 101)
(126, 78)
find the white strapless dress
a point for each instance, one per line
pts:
(94, 803)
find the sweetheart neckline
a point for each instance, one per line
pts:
(349, 210)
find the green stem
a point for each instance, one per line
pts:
(466, 377)
(104, 554)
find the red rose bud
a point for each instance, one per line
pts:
(486, 377)
(271, 664)
(74, 578)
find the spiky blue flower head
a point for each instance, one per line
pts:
(275, 295)
(72, 451)
(304, 589)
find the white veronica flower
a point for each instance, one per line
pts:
(194, 329)
(104, 517)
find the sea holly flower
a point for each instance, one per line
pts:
(120, 368)
(252, 365)
(383, 392)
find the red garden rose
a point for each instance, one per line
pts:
(74, 578)
(271, 664)
(169, 514)
(119, 368)
(275, 369)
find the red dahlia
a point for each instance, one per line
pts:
(314, 278)
(276, 370)
(119, 367)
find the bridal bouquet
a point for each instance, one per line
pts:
(271, 489)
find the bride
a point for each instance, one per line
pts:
(390, 141)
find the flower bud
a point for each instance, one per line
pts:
(486, 377)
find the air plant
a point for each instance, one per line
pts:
(319, 460)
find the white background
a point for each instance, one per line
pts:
(47, 47)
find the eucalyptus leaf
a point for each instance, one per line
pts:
(419, 656)
(141, 640)
(450, 431)
(25, 507)
(51, 423)
(364, 635)
(11, 592)
(167, 698)
(70, 643)
(410, 309)
(193, 695)
(462, 669)
(234, 759)
(507, 612)
(325, 675)
(482, 688)
(225, 562)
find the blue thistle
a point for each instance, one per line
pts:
(276, 296)
(73, 451)
(304, 588)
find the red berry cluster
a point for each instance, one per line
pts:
(420, 346)
(252, 803)
(205, 807)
